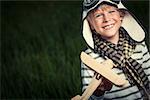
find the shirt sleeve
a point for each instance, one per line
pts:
(93, 97)
(86, 75)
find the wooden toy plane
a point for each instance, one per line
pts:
(103, 69)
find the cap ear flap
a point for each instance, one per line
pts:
(87, 34)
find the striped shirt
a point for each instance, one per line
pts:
(129, 92)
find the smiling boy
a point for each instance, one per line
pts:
(106, 21)
(111, 32)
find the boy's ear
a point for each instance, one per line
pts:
(122, 14)
(91, 26)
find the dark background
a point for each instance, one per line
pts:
(40, 46)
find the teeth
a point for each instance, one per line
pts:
(108, 27)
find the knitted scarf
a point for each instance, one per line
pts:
(120, 55)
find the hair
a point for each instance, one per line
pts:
(102, 3)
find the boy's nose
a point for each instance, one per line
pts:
(106, 18)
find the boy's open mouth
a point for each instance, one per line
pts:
(107, 27)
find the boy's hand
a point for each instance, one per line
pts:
(105, 85)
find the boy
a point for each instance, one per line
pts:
(111, 32)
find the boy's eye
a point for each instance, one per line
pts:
(98, 15)
(112, 11)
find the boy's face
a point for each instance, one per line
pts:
(105, 20)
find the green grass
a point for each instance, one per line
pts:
(41, 44)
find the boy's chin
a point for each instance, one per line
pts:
(110, 34)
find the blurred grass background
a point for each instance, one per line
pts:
(40, 46)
